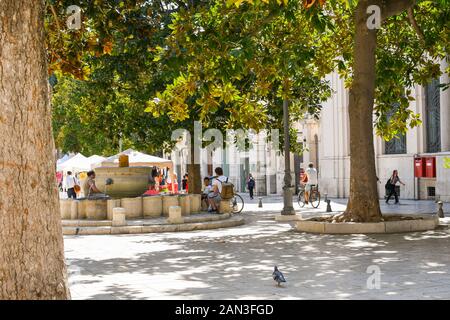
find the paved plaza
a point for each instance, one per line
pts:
(237, 263)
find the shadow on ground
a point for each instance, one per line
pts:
(237, 264)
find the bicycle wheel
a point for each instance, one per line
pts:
(237, 203)
(315, 198)
(301, 199)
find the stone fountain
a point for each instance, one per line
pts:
(123, 182)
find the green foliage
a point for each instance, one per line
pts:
(403, 58)
(112, 57)
(238, 63)
(229, 63)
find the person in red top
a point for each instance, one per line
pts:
(151, 191)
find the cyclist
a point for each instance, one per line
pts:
(311, 180)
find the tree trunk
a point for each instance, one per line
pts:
(31, 245)
(364, 203)
(194, 171)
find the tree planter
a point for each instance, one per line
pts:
(392, 224)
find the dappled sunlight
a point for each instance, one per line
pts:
(237, 263)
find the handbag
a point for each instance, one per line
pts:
(76, 187)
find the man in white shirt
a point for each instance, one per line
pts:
(214, 196)
(71, 181)
(311, 174)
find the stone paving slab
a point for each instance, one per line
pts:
(237, 263)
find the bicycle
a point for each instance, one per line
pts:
(314, 197)
(236, 203)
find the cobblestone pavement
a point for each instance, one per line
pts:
(237, 263)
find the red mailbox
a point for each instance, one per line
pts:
(419, 167)
(430, 167)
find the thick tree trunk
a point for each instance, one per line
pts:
(363, 204)
(194, 171)
(31, 244)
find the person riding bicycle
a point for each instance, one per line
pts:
(311, 180)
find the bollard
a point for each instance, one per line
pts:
(328, 205)
(175, 215)
(119, 217)
(260, 202)
(440, 212)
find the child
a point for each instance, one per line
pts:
(206, 191)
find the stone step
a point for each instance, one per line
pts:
(100, 230)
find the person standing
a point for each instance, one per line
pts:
(311, 180)
(250, 185)
(390, 186)
(184, 182)
(71, 182)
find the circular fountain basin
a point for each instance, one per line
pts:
(127, 182)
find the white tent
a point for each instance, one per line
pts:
(95, 160)
(77, 163)
(137, 158)
(63, 159)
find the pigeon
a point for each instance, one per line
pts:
(278, 276)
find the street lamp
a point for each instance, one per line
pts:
(288, 209)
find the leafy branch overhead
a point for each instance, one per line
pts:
(410, 45)
(240, 62)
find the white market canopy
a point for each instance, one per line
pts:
(137, 159)
(77, 163)
(63, 159)
(95, 159)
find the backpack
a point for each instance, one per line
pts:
(251, 183)
(227, 190)
(388, 184)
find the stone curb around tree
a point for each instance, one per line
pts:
(426, 223)
(224, 222)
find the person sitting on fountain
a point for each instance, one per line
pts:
(151, 191)
(89, 187)
(215, 197)
(207, 188)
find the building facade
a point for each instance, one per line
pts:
(327, 145)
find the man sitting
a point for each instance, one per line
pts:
(214, 197)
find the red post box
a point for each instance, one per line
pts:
(430, 167)
(419, 167)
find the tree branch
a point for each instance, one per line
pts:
(394, 7)
(415, 25)
(56, 18)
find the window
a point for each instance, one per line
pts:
(433, 116)
(396, 145)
